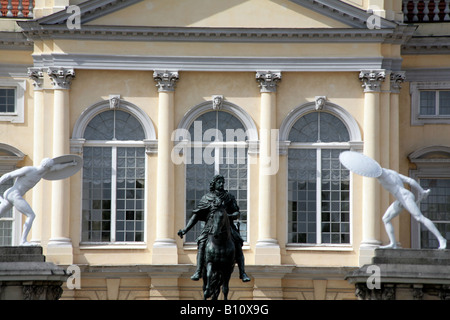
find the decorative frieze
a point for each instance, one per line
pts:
(268, 80)
(37, 76)
(397, 78)
(165, 80)
(61, 77)
(372, 79)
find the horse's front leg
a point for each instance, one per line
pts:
(207, 290)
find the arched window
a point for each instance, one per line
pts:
(113, 173)
(218, 143)
(318, 185)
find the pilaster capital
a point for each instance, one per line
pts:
(397, 78)
(37, 76)
(372, 79)
(165, 80)
(61, 77)
(268, 80)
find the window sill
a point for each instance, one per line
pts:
(319, 247)
(113, 246)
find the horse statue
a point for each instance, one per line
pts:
(219, 256)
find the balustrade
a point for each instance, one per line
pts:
(16, 8)
(415, 11)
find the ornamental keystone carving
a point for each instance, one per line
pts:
(217, 102)
(165, 80)
(320, 102)
(397, 78)
(268, 80)
(114, 101)
(37, 76)
(61, 77)
(372, 79)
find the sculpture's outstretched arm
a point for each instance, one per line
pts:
(61, 166)
(190, 224)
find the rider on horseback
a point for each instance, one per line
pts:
(208, 204)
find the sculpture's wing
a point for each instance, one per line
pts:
(360, 164)
(67, 171)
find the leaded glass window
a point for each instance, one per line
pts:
(219, 148)
(318, 185)
(6, 221)
(435, 207)
(113, 179)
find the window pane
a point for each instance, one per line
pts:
(229, 128)
(427, 103)
(302, 196)
(101, 127)
(114, 125)
(130, 195)
(306, 129)
(335, 198)
(222, 126)
(332, 129)
(234, 170)
(436, 208)
(444, 102)
(6, 222)
(96, 209)
(198, 176)
(127, 127)
(7, 100)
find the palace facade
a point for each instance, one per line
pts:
(159, 96)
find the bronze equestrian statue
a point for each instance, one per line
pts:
(215, 201)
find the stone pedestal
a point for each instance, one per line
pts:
(24, 275)
(404, 274)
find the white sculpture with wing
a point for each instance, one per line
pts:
(26, 178)
(393, 182)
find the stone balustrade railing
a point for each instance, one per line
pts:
(16, 8)
(415, 11)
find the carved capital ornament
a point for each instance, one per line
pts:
(37, 76)
(268, 81)
(61, 77)
(165, 80)
(372, 79)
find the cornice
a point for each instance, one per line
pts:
(427, 45)
(398, 35)
(14, 41)
(187, 63)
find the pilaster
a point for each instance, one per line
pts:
(37, 77)
(165, 248)
(397, 78)
(372, 81)
(60, 246)
(267, 251)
